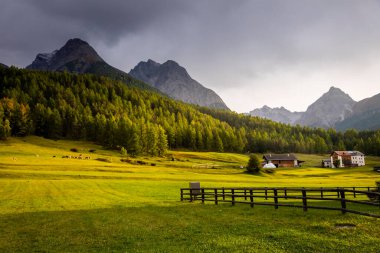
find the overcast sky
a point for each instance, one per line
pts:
(251, 52)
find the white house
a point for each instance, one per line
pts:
(347, 159)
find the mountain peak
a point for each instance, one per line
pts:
(336, 93)
(150, 61)
(335, 90)
(173, 80)
(76, 42)
(75, 56)
(332, 107)
(171, 63)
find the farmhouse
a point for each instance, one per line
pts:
(341, 159)
(282, 160)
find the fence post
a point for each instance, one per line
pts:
(343, 201)
(251, 197)
(233, 197)
(304, 200)
(245, 194)
(191, 195)
(266, 193)
(322, 192)
(337, 192)
(275, 199)
(353, 188)
(224, 196)
(181, 194)
(203, 195)
(216, 196)
(285, 193)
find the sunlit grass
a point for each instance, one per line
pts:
(54, 204)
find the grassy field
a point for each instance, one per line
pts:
(54, 204)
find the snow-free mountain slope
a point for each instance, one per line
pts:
(173, 80)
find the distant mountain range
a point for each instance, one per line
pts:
(334, 109)
(173, 79)
(3, 65)
(278, 114)
(78, 56)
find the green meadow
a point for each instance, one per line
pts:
(53, 204)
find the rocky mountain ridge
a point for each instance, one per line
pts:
(331, 108)
(77, 56)
(278, 114)
(173, 80)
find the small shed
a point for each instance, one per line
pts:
(326, 163)
(269, 166)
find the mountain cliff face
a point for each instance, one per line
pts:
(365, 115)
(79, 57)
(173, 80)
(75, 56)
(334, 106)
(278, 114)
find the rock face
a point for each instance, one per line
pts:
(365, 115)
(334, 106)
(278, 114)
(78, 56)
(173, 80)
(75, 56)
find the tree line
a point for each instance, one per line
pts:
(89, 107)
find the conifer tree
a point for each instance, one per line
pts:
(5, 129)
(162, 144)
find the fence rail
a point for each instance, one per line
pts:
(357, 200)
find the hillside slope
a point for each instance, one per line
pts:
(365, 115)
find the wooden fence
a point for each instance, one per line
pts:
(357, 200)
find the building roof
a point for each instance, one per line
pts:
(281, 157)
(350, 153)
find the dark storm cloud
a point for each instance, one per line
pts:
(27, 26)
(244, 44)
(282, 30)
(112, 18)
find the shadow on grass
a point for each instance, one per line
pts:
(186, 227)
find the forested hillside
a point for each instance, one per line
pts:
(82, 106)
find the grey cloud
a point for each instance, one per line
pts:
(112, 19)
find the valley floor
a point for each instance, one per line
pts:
(53, 204)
